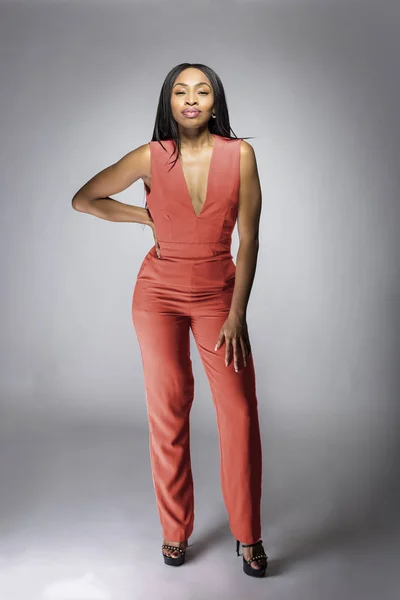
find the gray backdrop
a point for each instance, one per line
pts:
(317, 85)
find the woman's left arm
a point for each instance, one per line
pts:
(249, 211)
(234, 331)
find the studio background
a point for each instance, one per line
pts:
(316, 85)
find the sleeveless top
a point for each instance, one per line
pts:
(195, 249)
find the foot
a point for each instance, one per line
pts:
(254, 551)
(173, 553)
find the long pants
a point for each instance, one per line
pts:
(165, 350)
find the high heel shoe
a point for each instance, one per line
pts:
(171, 560)
(247, 568)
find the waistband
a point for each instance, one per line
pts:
(195, 250)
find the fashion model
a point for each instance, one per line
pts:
(199, 180)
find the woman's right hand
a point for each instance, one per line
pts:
(151, 224)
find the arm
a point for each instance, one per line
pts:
(249, 211)
(93, 197)
(234, 330)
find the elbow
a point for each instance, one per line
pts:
(79, 203)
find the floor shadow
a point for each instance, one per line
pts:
(343, 533)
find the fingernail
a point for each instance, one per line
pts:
(215, 347)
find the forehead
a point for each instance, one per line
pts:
(192, 77)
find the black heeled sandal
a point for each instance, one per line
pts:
(247, 568)
(171, 560)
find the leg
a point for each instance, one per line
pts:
(169, 384)
(235, 401)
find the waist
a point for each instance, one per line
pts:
(194, 251)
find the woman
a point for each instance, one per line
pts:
(188, 280)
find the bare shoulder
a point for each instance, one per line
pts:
(118, 176)
(246, 150)
(138, 160)
(137, 163)
(245, 146)
(248, 162)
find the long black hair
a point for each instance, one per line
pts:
(166, 128)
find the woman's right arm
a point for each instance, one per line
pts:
(94, 196)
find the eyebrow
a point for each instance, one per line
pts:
(196, 84)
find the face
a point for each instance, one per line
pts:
(192, 90)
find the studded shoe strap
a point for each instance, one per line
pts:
(181, 550)
(258, 557)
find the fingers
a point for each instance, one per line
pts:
(244, 351)
(235, 344)
(247, 340)
(238, 347)
(158, 251)
(228, 350)
(219, 341)
(156, 244)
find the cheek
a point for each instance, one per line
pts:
(175, 108)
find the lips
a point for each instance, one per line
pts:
(190, 112)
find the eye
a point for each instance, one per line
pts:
(178, 93)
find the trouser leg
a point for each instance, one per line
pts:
(165, 349)
(235, 401)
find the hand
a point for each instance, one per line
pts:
(234, 332)
(152, 226)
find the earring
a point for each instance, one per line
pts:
(213, 116)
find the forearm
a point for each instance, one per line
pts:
(246, 262)
(112, 210)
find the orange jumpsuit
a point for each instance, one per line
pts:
(190, 287)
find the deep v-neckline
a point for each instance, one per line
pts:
(210, 166)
